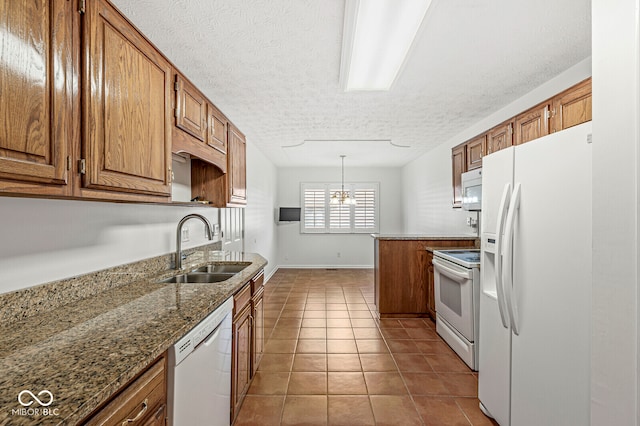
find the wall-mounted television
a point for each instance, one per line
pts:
(289, 214)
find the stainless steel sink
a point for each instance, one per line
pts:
(221, 268)
(198, 278)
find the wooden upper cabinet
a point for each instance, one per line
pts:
(191, 109)
(217, 123)
(36, 90)
(500, 137)
(127, 106)
(237, 167)
(475, 152)
(458, 160)
(531, 124)
(572, 107)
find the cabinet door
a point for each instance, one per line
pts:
(36, 90)
(241, 358)
(258, 329)
(475, 152)
(458, 166)
(236, 171)
(532, 124)
(191, 109)
(572, 107)
(430, 286)
(500, 137)
(127, 89)
(217, 137)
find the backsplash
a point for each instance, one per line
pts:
(25, 303)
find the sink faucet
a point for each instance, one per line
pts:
(208, 233)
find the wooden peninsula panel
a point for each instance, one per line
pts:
(401, 273)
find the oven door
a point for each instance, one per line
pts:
(454, 295)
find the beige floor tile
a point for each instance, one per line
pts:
(265, 383)
(343, 362)
(350, 411)
(310, 362)
(340, 333)
(385, 383)
(438, 411)
(276, 362)
(307, 383)
(367, 333)
(313, 333)
(312, 346)
(377, 362)
(394, 410)
(341, 346)
(280, 346)
(371, 346)
(346, 383)
(308, 410)
(260, 410)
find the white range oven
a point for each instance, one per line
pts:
(457, 293)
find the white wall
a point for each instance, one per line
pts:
(46, 240)
(321, 250)
(615, 314)
(427, 186)
(260, 229)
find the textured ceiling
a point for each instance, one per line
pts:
(272, 66)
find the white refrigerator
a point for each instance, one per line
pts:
(535, 299)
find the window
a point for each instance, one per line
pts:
(320, 216)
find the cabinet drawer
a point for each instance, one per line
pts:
(257, 282)
(241, 298)
(140, 400)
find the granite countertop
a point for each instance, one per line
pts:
(84, 351)
(420, 237)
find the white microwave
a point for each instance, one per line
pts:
(472, 190)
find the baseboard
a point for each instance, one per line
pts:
(268, 277)
(325, 267)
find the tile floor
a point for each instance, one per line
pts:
(328, 361)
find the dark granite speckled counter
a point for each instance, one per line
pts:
(84, 348)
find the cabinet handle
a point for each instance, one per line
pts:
(145, 405)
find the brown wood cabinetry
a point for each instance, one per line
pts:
(200, 129)
(127, 106)
(531, 124)
(431, 293)
(401, 275)
(141, 402)
(36, 87)
(191, 109)
(248, 338)
(257, 311)
(223, 189)
(572, 107)
(475, 151)
(500, 137)
(241, 355)
(237, 167)
(458, 161)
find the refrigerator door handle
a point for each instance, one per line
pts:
(502, 212)
(507, 279)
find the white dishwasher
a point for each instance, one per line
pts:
(199, 378)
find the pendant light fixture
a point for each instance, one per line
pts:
(342, 197)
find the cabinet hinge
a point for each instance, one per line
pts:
(68, 162)
(82, 5)
(547, 114)
(82, 166)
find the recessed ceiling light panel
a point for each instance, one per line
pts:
(377, 37)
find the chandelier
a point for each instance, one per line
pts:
(342, 197)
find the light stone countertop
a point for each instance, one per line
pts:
(86, 350)
(421, 237)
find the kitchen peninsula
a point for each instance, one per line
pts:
(404, 274)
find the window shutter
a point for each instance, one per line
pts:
(365, 209)
(340, 217)
(314, 208)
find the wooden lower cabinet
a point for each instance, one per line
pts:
(431, 292)
(401, 275)
(241, 358)
(248, 339)
(141, 402)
